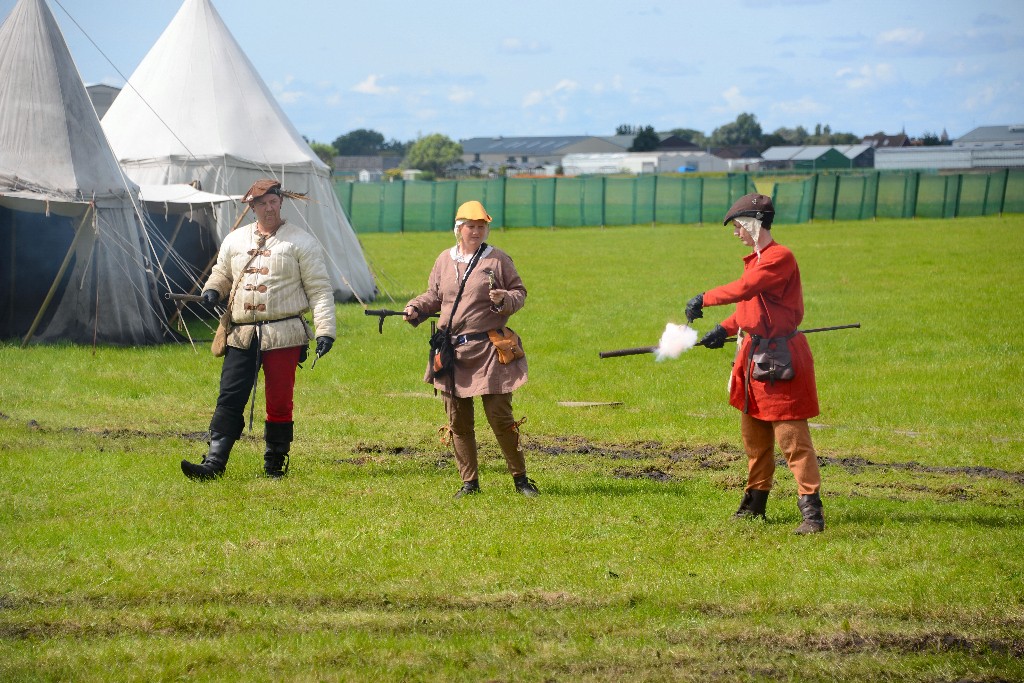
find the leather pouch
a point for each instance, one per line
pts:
(507, 344)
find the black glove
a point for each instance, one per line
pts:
(695, 308)
(211, 296)
(323, 345)
(715, 339)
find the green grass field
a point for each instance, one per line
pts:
(360, 565)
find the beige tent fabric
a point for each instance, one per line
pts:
(196, 109)
(62, 192)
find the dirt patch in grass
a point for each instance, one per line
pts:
(669, 457)
(860, 464)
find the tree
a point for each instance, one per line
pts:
(625, 129)
(646, 140)
(394, 148)
(434, 154)
(788, 136)
(325, 152)
(745, 130)
(360, 142)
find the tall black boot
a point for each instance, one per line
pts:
(278, 436)
(215, 460)
(753, 505)
(814, 516)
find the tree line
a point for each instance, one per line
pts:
(436, 153)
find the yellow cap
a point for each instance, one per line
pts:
(472, 211)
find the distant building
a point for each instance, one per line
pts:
(102, 96)
(994, 137)
(805, 158)
(532, 151)
(657, 161)
(668, 143)
(860, 156)
(986, 147)
(883, 141)
(364, 168)
(674, 143)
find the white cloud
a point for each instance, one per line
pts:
(371, 87)
(460, 95)
(735, 101)
(981, 99)
(560, 90)
(518, 46)
(288, 92)
(866, 76)
(804, 106)
(901, 37)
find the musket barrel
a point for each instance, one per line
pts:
(183, 297)
(628, 352)
(651, 349)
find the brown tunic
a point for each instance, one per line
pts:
(477, 370)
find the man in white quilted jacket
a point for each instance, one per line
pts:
(269, 273)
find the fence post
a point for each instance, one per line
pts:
(913, 198)
(700, 203)
(1006, 182)
(401, 211)
(604, 198)
(874, 202)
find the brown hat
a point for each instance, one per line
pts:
(755, 205)
(260, 188)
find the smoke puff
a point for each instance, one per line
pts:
(674, 340)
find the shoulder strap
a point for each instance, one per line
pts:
(472, 264)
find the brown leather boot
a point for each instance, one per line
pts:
(814, 518)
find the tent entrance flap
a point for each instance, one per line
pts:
(32, 247)
(59, 277)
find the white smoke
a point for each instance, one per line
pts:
(674, 340)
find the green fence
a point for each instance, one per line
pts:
(574, 202)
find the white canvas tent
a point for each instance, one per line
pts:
(72, 238)
(196, 109)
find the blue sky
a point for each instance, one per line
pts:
(563, 67)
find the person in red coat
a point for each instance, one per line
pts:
(775, 409)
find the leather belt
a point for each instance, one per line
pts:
(461, 339)
(267, 322)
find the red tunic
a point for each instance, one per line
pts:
(769, 303)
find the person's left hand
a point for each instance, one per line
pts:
(715, 339)
(323, 345)
(695, 308)
(497, 297)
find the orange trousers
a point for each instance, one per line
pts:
(794, 438)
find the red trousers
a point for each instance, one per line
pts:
(279, 374)
(236, 379)
(794, 439)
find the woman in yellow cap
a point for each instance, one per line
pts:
(476, 288)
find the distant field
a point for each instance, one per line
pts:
(360, 566)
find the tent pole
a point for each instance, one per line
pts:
(58, 278)
(11, 270)
(170, 242)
